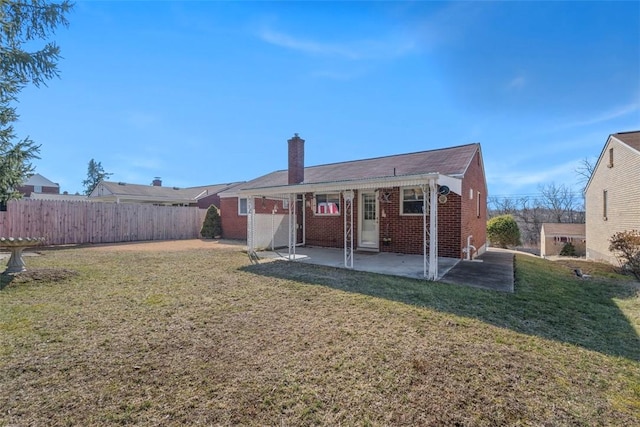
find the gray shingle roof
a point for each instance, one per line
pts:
(447, 161)
(158, 192)
(563, 229)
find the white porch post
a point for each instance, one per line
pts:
(347, 197)
(292, 227)
(425, 263)
(433, 230)
(251, 220)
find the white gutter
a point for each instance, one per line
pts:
(454, 184)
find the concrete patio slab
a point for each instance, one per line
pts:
(374, 262)
(492, 270)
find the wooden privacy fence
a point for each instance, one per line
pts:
(73, 222)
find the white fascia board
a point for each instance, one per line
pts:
(454, 184)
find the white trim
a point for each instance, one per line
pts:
(376, 245)
(246, 199)
(402, 213)
(315, 204)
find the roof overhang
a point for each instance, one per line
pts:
(454, 184)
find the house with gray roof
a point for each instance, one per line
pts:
(430, 202)
(612, 195)
(38, 184)
(156, 194)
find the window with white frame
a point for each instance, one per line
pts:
(242, 206)
(328, 204)
(37, 188)
(412, 200)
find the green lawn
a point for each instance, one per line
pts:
(204, 337)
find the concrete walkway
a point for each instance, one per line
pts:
(493, 270)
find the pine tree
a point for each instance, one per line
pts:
(212, 226)
(95, 174)
(21, 23)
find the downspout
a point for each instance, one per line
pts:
(468, 248)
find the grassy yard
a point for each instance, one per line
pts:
(203, 337)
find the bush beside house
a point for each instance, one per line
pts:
(212, 225)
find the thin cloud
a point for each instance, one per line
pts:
(564, 173)
(141, 119)
(358, 50)
(516, 83)
(604, 117)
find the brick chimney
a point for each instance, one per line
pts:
(296, 160)
(157, 182)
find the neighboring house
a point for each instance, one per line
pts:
(37, 183)
(156, 194)
(612, 195)
(554, 236)
(408, 203)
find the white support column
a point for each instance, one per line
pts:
(425, 261)
(292, 227)
(433, 230)
(251, 229)
(347, 197)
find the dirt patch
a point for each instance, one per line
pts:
(37, 275)
(167, 245)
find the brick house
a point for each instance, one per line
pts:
(612, 195)
(431, 203)
(37, 183)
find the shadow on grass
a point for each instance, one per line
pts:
(5, 280)
(548, 302)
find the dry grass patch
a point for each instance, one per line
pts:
(202, 337)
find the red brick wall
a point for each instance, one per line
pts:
(325, 230)
(28, 189)
(472, 224)
(406, 231)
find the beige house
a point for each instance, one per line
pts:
(554, 236)
(612, 195)
(156, 194)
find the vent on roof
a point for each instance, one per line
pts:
(122, 183)
(176, 188)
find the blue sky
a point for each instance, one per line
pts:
(209, 92)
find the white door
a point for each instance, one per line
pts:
(368, 233)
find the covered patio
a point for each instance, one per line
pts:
(349, 256)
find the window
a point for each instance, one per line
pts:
(328, 204)
(605, 195)
(242, 206)
(285, 203)
(412, 201)
(610, 165)
(471, 194)
(478, 205)
(37, 188)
